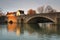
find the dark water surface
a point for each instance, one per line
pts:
(41, 31)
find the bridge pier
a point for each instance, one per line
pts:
(20, 19)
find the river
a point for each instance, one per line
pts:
(40, 31)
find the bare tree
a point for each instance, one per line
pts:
(46, 9)
(40, 9)
(1, 12)
(49, 9)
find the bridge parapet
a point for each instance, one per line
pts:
(51, 16)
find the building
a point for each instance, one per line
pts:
(20, 12)
(12, 16)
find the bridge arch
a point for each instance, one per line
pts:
(39, 19)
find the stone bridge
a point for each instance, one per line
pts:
(40, 18)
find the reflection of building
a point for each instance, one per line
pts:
(12, 16)
(18, 31)
(15, 28)
(12, 27)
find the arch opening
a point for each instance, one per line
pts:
(39, 20)
(11, 22)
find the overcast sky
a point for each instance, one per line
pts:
(14, 5)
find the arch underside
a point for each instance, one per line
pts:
(39, 20)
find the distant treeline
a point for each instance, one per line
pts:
(3, 19)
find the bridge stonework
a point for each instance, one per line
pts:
(55, 17)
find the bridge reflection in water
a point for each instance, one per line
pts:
(29, 31)
(41, 28)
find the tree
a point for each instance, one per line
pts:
(49, 9)
(40, 9)
(31, 12)
(1, 12)
(45, 9)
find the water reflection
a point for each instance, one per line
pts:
(32, 28)
(12, 27)
(17, 28)
(44, 29)
(39, 31)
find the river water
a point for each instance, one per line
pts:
(40, 31)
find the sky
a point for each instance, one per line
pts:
(14, 5)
